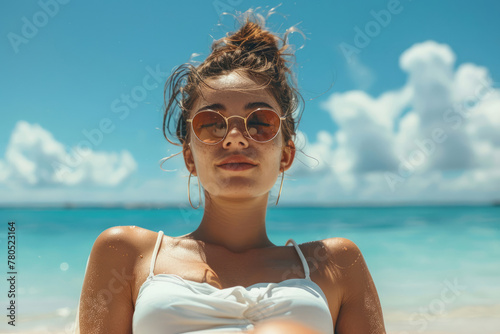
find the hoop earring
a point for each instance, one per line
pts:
(281, 186)
(189, 194)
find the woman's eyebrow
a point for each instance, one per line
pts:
(254, 105)
(248, 106)
(215, 106)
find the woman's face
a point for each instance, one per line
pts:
(234, 94)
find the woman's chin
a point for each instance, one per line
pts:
(238, 196)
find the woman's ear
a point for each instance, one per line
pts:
(287, 155)
(189, 159)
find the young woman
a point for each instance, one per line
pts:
(233, 115)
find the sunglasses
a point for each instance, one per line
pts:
(211, 127)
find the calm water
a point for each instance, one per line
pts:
(425, 261)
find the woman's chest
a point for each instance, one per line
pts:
(224, 270)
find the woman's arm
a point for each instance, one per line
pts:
(106, 299)
(360, 310)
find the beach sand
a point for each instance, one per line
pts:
(465, 320)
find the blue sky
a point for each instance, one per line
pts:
(412, 116)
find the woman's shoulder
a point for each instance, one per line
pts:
(343, 251)
(124, 241)
(354, 290)
(339, 253)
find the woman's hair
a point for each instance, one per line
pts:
(251, 51)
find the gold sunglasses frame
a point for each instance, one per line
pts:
(226, 119)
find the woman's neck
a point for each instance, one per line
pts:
(238, 226)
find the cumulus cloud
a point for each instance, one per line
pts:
(318, 154)
(34, 158)
(435, 135)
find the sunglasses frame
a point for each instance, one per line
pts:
(226, 119)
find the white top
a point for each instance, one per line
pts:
(169, 304)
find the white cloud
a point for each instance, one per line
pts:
(426, 55)
(468, 81)
(438, 135)
(366, 129)
(318, 156)
(34, 158)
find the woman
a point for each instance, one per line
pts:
(236, 128)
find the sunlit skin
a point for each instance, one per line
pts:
(236, 196)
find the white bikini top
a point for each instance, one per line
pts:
(169, 304)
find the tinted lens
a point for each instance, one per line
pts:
(209, 127)
(263, 125)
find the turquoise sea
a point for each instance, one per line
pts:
(436, 268)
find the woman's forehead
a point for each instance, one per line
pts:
(233, 89)
(234, 80)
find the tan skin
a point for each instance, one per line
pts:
(230, 247)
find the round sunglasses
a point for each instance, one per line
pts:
(211, 127)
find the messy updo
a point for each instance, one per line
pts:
(251, 51)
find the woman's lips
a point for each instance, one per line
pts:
(236, 166)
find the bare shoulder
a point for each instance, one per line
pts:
(117, 252)
(106, 301)
(342, 262)
(359, 305)
(343, 253)
(123, 244)
(123, 236)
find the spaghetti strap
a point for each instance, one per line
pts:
(155, 253)
(302, 258)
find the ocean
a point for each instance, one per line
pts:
(436, 268)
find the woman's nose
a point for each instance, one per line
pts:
(236, 136)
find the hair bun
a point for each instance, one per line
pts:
(251, 47)
(251, 37)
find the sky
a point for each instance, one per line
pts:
(402, 101)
